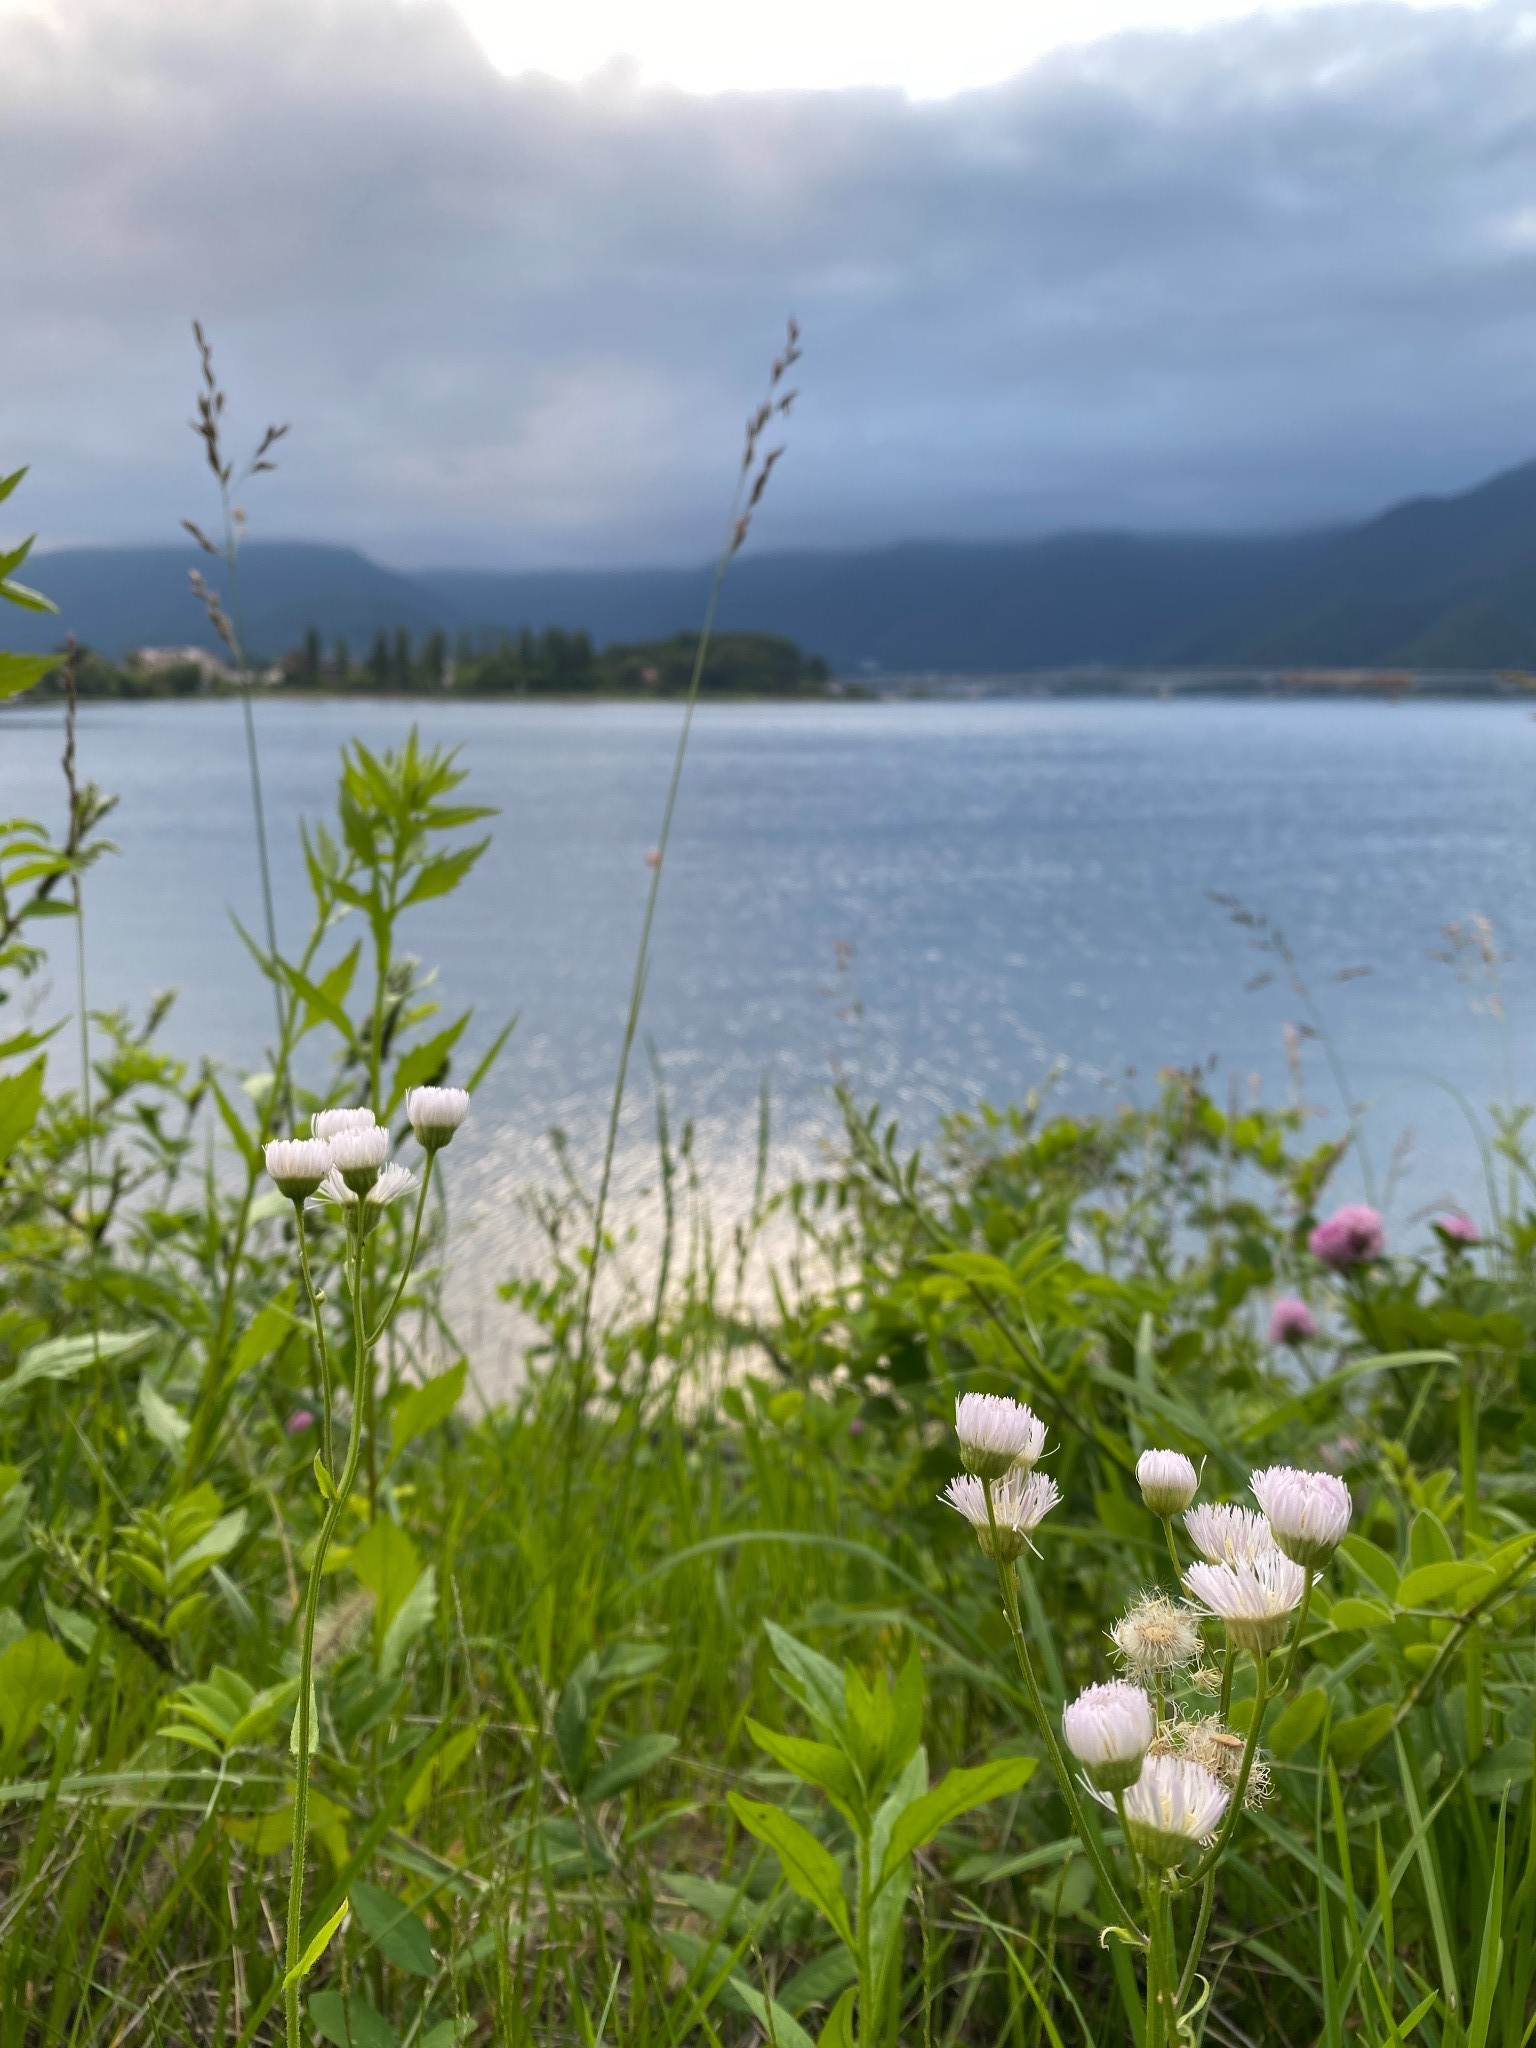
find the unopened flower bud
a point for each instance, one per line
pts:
(1109, 1729)
(330, 1123)
(1168, 1481)
(435, 1114)
(297, 1166)
(996, 1434)
(358, 1154)
(1308, 1511)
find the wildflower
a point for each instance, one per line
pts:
(393, 1180)
(996, 1434)
(1156, 1635)
(298, 1165)
(300, 1420)
(1459, 1230)
(435, 1114)
(1255, 1600)
(1109, 1729)
(1225, 1534)
(1173, 1806)
(330, 1123)
(1291, 1322)
(1308, 1511)
(357, 1155)
(1020, 1503)
(1168, 1481)
(1351, 1236)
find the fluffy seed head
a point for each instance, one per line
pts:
(1225, 1534)
(1351, 1236)
(1206, 1739)
(1109, 1729)
(1308, 1511)
(435, 1114)
(1255, 1600)
(1291, 1322)
(1020, 1503)
(330, 1123)
(1156, 1635)
(298, 1165)
(1168, 1481)
(1173, 1806)
(996, 1434)
(358, 1154)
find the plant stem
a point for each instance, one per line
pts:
(1301, 1622)
(1157, 1964)
(341, 1488)
(410, 1257)
(1212, 1856)
(1197, 1941)
(1467, 1432)
(324, 1348)
(1008, 1581)
(1173, 1549)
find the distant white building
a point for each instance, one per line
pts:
(155, 660)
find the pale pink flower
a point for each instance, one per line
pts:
(1291, 1321)
(1351, 1236)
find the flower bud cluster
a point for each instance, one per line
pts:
(345, 1160)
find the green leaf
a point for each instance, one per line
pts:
(441, 876)
(838, 2032)
(61, 1358)
(817, 1763)
(809, 1869)
(330, 2012)
(422, 1408)
(1431, 1585)
(388, 1565)
(165, 1422)
(826, 1977)
(631, 1760)
(245, 1144)
(19, 672)
(813, 1680)
(1428, 1540)
(1351, 1738)
(1349, 1614)
(955, 1794)
(394, 1930)
(425, 1062)
(21, 1097)
(409, 1620)
(1300, 1722)
(34, 1675)
(316, 1947)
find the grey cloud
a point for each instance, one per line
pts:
(1268, 274)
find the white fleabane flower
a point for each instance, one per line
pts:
(392, 1180)
(297, 1165)
(1308, 1511)
(329, 1123)
(1168, 1481)
(358, 1154)
(435, 1114)
(1109, 1729)
(1225, 1534)
(1255, 1600)
(996, 1434)
(1155, 1636)
(1173, 1807)
(1020, 1503)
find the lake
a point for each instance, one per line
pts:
(942, 901)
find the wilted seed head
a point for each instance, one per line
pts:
(1020, 1503)
(1156, 1635)
(1209, 1741)
(1308, 1511)
(1254, 1600)
(1225, 1534)
(1172, 1807)
(330, 1123)
(1109, 1729)
(996, 1434)
(297, 1166)
(435, 1114)
(1168, 1481)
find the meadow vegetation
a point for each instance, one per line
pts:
(666, 1697)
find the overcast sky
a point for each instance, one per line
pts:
(1204, 273)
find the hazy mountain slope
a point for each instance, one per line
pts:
(1436, 582)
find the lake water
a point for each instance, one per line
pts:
(941, 900)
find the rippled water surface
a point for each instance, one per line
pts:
(942, 901)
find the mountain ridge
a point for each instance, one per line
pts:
(1433, 582)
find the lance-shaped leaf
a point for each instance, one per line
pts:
(809, 1869)
(955, 1794)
